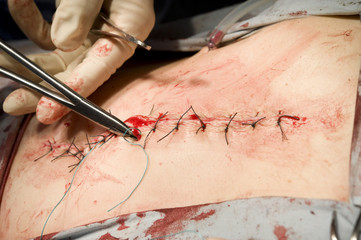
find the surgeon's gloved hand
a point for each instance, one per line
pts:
(80, 61)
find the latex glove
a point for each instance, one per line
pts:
(80, 62)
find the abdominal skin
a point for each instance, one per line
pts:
(270, 115)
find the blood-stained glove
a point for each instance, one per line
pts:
(80, 60)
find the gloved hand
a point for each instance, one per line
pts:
(80, 61)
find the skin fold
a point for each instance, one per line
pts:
(272, 115)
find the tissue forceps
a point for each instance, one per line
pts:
(66, 96)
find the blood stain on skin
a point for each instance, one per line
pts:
(193, 117)
(137, 134)
(333, 120)
(299, 123)
(280, 232)
(347, 36)
(67, 186)
(139, 121)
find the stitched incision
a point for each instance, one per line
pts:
(191, 121)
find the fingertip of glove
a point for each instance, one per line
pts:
(48, 111)
(17, 103)
(67, 36)
(66, 44)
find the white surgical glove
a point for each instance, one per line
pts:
(79, 61)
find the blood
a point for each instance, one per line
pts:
(137, 134)
(280, 232)
(49, 111)
(67, 187)
(333, 120)
(66, 124)
(47, 236)
(76, 84)
(107, 236)
(204, 215)
(299, 122)
(245, 25)
(139, 121)
(193, 117)
(216, 38)
(298, 13)
(122, 226)
(173, 221)
(140, 215)
(103, 50)
(346, 33)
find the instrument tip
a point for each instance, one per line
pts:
(132, 135)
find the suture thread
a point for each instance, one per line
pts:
(81, 160)
(154, 128)
(254, 123)
(176, 127)
(203, 126)
(51, 149)
(279, 124)
(68, 153)
(227, 127)
(79, 154)
(143, 175)
(66, 192)
(151, 110)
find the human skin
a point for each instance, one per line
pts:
(306, 69)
